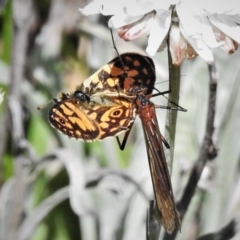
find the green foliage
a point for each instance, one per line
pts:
(6, 32)
(7, 165)
(38, 132)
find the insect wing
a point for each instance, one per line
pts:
(69, 119)
(133, 70)
(113, 118)
(92, 121)
(120, 74)
(159, 172)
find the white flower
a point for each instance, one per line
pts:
(192, 27)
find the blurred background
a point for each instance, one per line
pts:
(53, 187)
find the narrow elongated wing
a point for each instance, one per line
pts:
(159, 170)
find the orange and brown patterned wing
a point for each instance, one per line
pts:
(89, 121)
(68, 118)
(122, 73)
(133, 70)
(88, 114)
(158, 167)
(115, 119)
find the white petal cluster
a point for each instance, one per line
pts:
(193, 27)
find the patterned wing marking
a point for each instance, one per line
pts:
(138, 70)
(89, 121)
(114, 120)
(66, 117)
(122, 73)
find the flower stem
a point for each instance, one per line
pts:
(171, 118)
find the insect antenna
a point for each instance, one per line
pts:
(119, 55)
(114, 45)
(45, 104)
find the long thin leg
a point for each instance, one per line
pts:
(178, 108)
(122, 144)
(165, 142)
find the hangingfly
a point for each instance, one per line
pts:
(168, 213)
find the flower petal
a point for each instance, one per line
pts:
(134, 8)
(209, 7)
(158, 32)
(230, 46)
(147, 6)
(200, 47)
(91, 8)
(226, 25)
(179, 47)
(196, 26)
(136, 29)
(110, 8)
(105, 7)
(121, 20)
